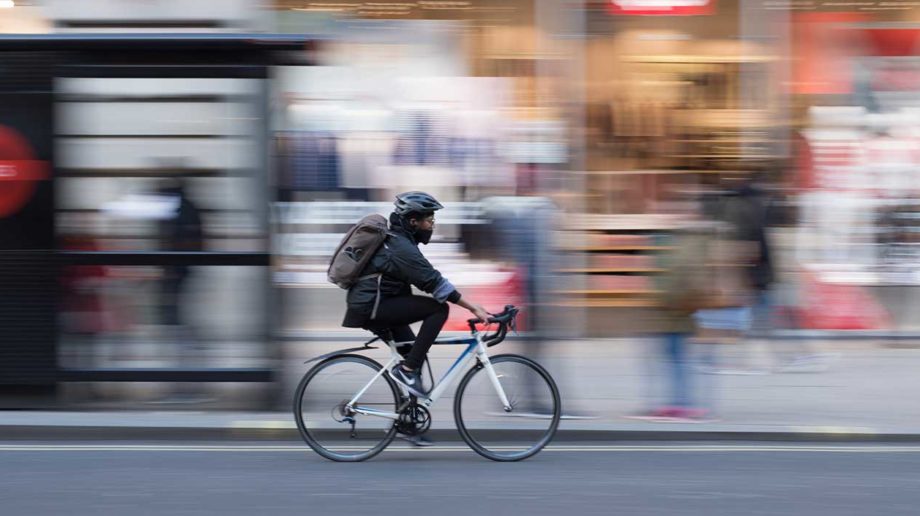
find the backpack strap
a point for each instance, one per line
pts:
(379, 276)
(377, 299)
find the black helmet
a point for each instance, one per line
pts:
(416, 202)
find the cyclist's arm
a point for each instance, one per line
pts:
(418, 271)
(474, 307)
(414, 268)
(445, 291)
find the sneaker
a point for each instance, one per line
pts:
(419, 441)
(660, 414)
(693, 415)
(411, 380)
(672, 415)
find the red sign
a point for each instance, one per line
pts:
(901, 41)
(899, 78)
(493, 296)
(824, 52)
(828, 306)
(19, 170)
(661, 7)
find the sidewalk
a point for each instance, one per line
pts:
(868, 393)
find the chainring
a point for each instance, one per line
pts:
(414, 420)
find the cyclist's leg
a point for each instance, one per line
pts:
(396, 334)
(400, 311)
(431, 328)
(403, 333)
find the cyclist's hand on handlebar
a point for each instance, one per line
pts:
(480, 313)
(476, 308)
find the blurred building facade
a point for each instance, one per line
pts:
(603, 107)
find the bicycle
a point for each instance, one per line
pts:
(345, 417)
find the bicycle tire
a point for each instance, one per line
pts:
(308, 434)
(483, 449)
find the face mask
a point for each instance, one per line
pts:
(423, 236)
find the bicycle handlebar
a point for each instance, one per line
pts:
(504, 319)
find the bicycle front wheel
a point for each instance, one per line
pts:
(508, 433)
(334, 428)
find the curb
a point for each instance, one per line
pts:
(125, 433)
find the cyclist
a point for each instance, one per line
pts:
(383, 301)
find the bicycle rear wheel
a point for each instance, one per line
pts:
(325, 421)
(508, 435)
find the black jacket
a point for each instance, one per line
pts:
(402, 265)
(747, 210)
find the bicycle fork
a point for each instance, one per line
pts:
(483, 358)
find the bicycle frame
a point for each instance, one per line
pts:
(475, 349)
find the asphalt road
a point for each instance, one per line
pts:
(103, 478)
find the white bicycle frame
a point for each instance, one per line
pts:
(475, 349)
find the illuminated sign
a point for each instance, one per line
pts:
(661, 7)
(19, 170)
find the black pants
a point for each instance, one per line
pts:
(397, 313)
(171, 287)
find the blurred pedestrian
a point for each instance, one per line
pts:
(180, 230)
(684, 286)
(747, 210)
(521, 235)
(745, 265)
(85, 316)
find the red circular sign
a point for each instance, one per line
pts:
(19, 170)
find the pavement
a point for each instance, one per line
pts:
(852, 391)
(202, 478)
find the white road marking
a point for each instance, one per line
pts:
(704, 448)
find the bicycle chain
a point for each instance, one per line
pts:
(414, 420)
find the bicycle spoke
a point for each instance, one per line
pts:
(499, 434)
(327, 422)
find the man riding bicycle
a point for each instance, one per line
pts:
(382, 300)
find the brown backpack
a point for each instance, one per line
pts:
(357, 249)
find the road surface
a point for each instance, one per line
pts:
(192, 478)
